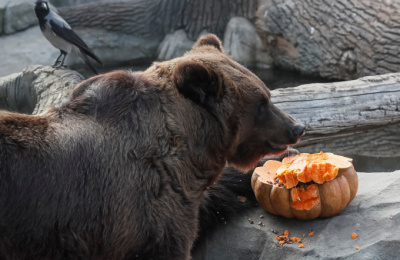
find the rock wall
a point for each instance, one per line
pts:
(337, 40)
(134, 32)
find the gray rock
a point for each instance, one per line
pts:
(25, 48)
(2, 11)
(18, 15)
(374, 215)
(243, 44)
(30, 47)
(115, 48)
(174, 45)
(79, 2)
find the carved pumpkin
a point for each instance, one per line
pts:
(306, 186)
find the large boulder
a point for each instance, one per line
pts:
(115, 48)
(243, 44)
(121, 33)
(174, 45)
(80, 2)
(30, 47)
(17, 15)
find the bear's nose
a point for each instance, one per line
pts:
(299, 130)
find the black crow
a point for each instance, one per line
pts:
(60, 34)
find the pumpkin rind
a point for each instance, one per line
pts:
(331, 198)
(334, 195)
(352, 179)
(262, 188)
(345, 192)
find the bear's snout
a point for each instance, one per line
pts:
(299, 130)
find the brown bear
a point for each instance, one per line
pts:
(122, 168)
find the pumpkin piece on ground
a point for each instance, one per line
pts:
(301, 246)
(311, 234)
(354, 235)
(286, 233)
(295, 239)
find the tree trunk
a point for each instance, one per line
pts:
(380, 142)
(329, 111)
(343, 108)
(335, 39)
(156, 18)
(36, 89)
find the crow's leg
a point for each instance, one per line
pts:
(57, 60)
(65, 55)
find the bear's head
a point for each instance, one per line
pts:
(238, 100)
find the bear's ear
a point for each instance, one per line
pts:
(210, 40)
(197, 83)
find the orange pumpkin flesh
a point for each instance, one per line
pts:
(306, 186)
(304, 167)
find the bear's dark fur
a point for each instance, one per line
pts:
(122, 169)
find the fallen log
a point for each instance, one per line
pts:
(333, 39)
(156, 18)
(329, 111)
(36, 88)
(342, 109)
(383, 141)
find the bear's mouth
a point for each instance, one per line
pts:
(277, 149)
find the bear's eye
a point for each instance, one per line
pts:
(263, 106)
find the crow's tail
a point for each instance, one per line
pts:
(84, 56)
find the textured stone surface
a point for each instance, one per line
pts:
(243, 44)
(157, 18)
(2, 11)
(116, 48)
(30, 47)
(17, 15)
(80, 2)
(374, 215)
(174, 45)
(23, 49)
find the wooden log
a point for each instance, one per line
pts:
(36, 88)
(156, 18)
(334, 39)
(381, 142)
(343, 108)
